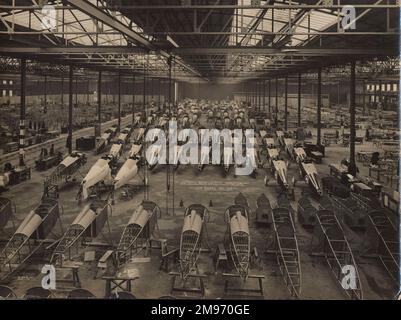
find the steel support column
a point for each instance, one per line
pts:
(167, 94)
(276, 119)
(45, 96)
(168, 173)
(99, 105)
(169, 85)
(151, 91)
(248, 86)
(375, 95)
(258, 94)
(175, 92)
(87, 91)
(352, 166)
(286, 103)
(144, 112)
(69, 138)
(319, 105)
(299, 99)
(270, 96)
(255, 92)
(251, 93)
(364, 97)
(381, 95)
(159, 87)
(248, 96)
(76, 91)
(264, 95)
(119, 101)
(62, 92)
(22, 115)
(144, 95)
(133, 98)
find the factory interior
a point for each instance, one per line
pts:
(100, 200)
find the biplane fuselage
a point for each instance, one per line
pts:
(100, 172)
(149, 121)
(262, 133)
(127, 173)
(191, 236)
(272, 155)
(289, 146)
(205, 157)
(269, 143)
(280, 173)
(103, 141)
(227, 156)
(116, 150)
(137, 120)
(135, 150)
(139, 134)
(67, 168)
(310, 174)
(238, 228)
(299, 154)
(280, 137)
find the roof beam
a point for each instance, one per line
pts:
(282, 6)
(73, 50)
(287, 51)
(290, 51)
(94, 12)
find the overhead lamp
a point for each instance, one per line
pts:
(169, 39)
(289, 50)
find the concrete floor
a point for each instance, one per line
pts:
(194, 187)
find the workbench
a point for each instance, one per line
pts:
(122, 281)
(362, 189)
(338, 172)
(316, 152)
(391, 201)
(47, 163)
(316, 156)
(376, 172)
(364, 156)
(19, 174)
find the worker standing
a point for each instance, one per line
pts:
(22, 157)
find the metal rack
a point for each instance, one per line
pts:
(334, 247)
(386, 243)
(88, 223)
(7, 211)
(350, 211)
(29, 237)
(137, 233)
(237, 241)
(191, 238)
(66, 169)
(285, 246)
(238, 238)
